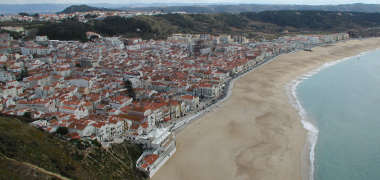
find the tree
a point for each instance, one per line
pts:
(62, 130)
(129, 87)
(23, 14)
(90, 16)
(32, 33)
(27, 115)
(67, 30)
(23, 74)
(116, 25)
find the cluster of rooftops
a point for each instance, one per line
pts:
(110, 89)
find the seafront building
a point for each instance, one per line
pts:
(113, 89)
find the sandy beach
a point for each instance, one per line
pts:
(255, 134)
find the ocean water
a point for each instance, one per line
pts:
(343, 102)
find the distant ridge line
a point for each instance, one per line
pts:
(191, 8)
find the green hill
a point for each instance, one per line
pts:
(317, 20)
(82, 8)
(251, 24)
(29, 153)
(238, 8)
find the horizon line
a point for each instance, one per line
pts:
(190, 3)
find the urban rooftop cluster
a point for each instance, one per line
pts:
(113, 89)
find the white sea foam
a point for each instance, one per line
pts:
(312, 129)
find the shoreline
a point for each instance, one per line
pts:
(311, 127)
(256, 131)
(184, 123)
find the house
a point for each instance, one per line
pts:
(158, 109)
(115, 42)
(79, 82)
(140, 124)
(41, 38)
(38, 50)
(67, 109)
(191, 102)
(65, 72)
(160, 146)
(100, 131)
(5, 40)
(41, 80)
(83, 127)
(116, 126)
(120, 101)
(81, 112)
(6, 76)
(175, 108)
(206, 90)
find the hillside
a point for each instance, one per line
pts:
(238, 8)
(317, 20)
(266, 24)
(29, 153)
(82, 8)
(192, 8)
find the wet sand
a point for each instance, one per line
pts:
(255, 134)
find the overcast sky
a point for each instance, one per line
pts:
(310, 2)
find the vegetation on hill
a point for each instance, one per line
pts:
(26, 14)
(66, 30)
(317, 20)
(82, 8)
(251, 24)
(116, 25)
(195, 8)
(29, 153)
(238, 8)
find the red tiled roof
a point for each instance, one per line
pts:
(150, 159)
(98, 124)
(188, 97)
(144, 125)
(74, 135)
(132, 117)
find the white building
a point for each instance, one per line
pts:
(115, 41)
(160, 145)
